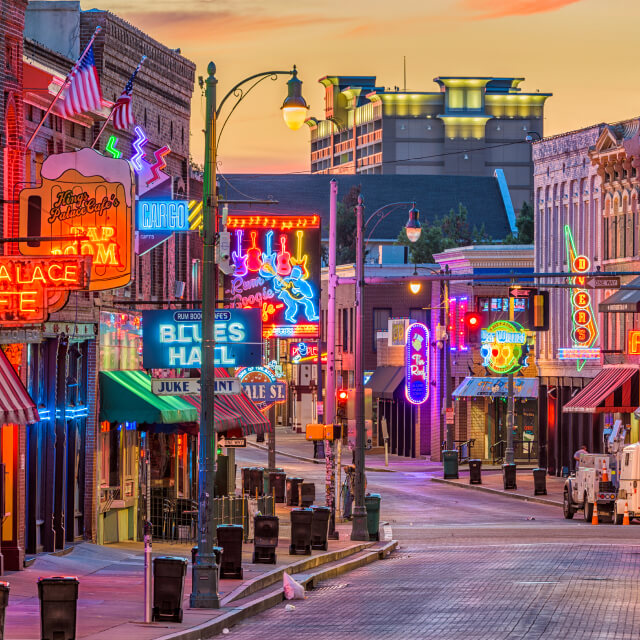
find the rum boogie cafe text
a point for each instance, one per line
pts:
(173, 339)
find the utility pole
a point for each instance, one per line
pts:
(509, 454)
(204, 592)
(330, 393)
(448, 391)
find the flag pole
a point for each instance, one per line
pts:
(63, 87)
(106, 122)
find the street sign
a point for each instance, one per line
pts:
(522, 292)
(450, 416)
(191, 386)
(232, 442)
(603, 282)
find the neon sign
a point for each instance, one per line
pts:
(458, 307)
(585, 330)
(276, 269)
(300, 350)
(416, 359)
(162, 215)
(633, 342)
(110, 147)
(262, 386)
(173, 339)
(503, 347)
(87, 196)
(579, 353)
(28, 285)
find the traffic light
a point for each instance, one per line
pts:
(472, 326)
(342, 398)
(539, 311)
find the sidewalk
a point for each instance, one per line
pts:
(110, 603)
(492, 483)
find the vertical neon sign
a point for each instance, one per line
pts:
(416, 383)
(585, 330)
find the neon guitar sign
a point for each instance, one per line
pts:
(267, 276)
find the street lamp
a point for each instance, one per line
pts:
(359, 529)
(204, 593)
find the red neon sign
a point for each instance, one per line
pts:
(278, 222)
(27, 285)
(633, 342)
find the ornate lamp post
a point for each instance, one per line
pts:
(204, 592)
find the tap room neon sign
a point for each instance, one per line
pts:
(416, 359)
(172, 339)
(585, 330)
(276, 269)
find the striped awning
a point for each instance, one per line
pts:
(231, 412)
(613, 390)
(16, 406)
(496, 387)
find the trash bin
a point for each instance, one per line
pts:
(58, 604)
(320, 527)
(450, 463)
(372, 503)
(300, 531)
(244, 471)
(168, 588)
(509, 476)
(230, 539)
(277, 485)
(256, 481)
(4, 601)
(539, 482)
(307, 494)
(475, 471)
(292, 491)
(265, 538)
(260, 437)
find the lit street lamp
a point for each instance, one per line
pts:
(359, 524)
(204, 593)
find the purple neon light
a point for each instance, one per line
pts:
(138, 143)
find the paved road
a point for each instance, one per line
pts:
(471, 565)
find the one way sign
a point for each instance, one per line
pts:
(603, 282)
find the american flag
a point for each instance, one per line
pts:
(122, 114)
(83, 93)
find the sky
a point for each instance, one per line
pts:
(582, 51)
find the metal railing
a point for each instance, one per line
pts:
(176, 519)
(463, 447)
(523, 450)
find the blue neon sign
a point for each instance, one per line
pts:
(162, 215)
(172, 339)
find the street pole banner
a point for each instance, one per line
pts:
(172, 339)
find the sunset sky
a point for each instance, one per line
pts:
(583, 51)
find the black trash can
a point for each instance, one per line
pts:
(539, 482)
(450, 463)
(475, 471)
(230, 539)
(58, 604)
(4, 601)
(292, 491)
(168, 588)
(320, 527)
(277, 485)
(307, 494)
(509, 476)
(301, 531)
(372, 504)
(256, 481)
(265, 538)
(260, 437)
(244, 472)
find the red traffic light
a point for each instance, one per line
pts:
(472, 326)
(472, 319)
(343, 395)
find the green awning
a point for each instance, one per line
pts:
(125, 396)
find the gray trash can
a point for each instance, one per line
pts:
(320, 527)
(58, 606)
(509, 476)
(475, 471)
(450, 463)
(265, 538)
(300, 531)
(539, 482)
(372, 504)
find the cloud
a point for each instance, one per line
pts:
(488, 9)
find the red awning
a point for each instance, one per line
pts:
(231, 412)
(613, 390)
(16, 406)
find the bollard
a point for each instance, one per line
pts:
(148, 583)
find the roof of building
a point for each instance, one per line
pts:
(434, 196)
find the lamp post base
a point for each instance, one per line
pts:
(359, 529)
(204, 590)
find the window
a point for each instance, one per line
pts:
(418, 315)
(345, 330)
(380, 323)
(350, 329)
(114, 457)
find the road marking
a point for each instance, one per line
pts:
(388, 533)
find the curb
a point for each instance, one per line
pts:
(262, 603)
(517, 496)
(314, 460)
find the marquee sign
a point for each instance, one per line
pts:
(172, 339)
(276, 262)
(503, 347)
(262, 386)
(417, 363)
(84, 206)
(585, 330)
(30, 287)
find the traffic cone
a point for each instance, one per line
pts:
(594, 517)
(625, 517)
(605, 475)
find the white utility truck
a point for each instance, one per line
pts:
(585, 487)
(628, 483)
